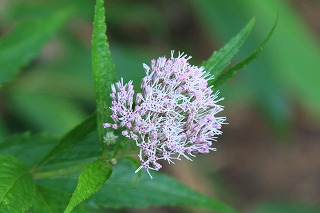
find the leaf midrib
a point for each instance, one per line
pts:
(11, 186)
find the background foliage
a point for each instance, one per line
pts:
(267, 159)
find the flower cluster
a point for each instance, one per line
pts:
(173, 116)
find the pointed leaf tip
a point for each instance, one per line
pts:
(103, 69)
(221, 59)
(223, 76)
(91, 180)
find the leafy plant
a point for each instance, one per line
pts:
(39, 172)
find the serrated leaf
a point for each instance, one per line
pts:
(16, 185)
(91, 180)
(223, 76)
(24, 42)
(221, 59)
(119, 192)
(102, 67)
(76, 135)
(30, 149)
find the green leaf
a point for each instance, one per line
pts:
(221, 59)
(136, 163)
(66, 182)
(162, 190)
(24, 42)
(102, 67)
(281, 65)
(50, 200)
(84, 149)
(72, 160)
(16, 185)
(30, 149)
(91, 180)
(223, 76)
(76, 135)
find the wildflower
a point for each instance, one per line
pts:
(173, 116)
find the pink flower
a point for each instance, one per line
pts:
(174, 115)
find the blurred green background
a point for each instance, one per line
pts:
(268, 158)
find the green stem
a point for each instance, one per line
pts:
(58, 172)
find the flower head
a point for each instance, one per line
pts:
(173, 116)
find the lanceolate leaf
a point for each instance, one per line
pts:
(102, 67)
(24, 42)
(73, 137)
(91, 180)
(30, 149)
(16, 185)
(221, 59)
(86, 149)
(120, 191)
(50, 200)
(223, 76)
